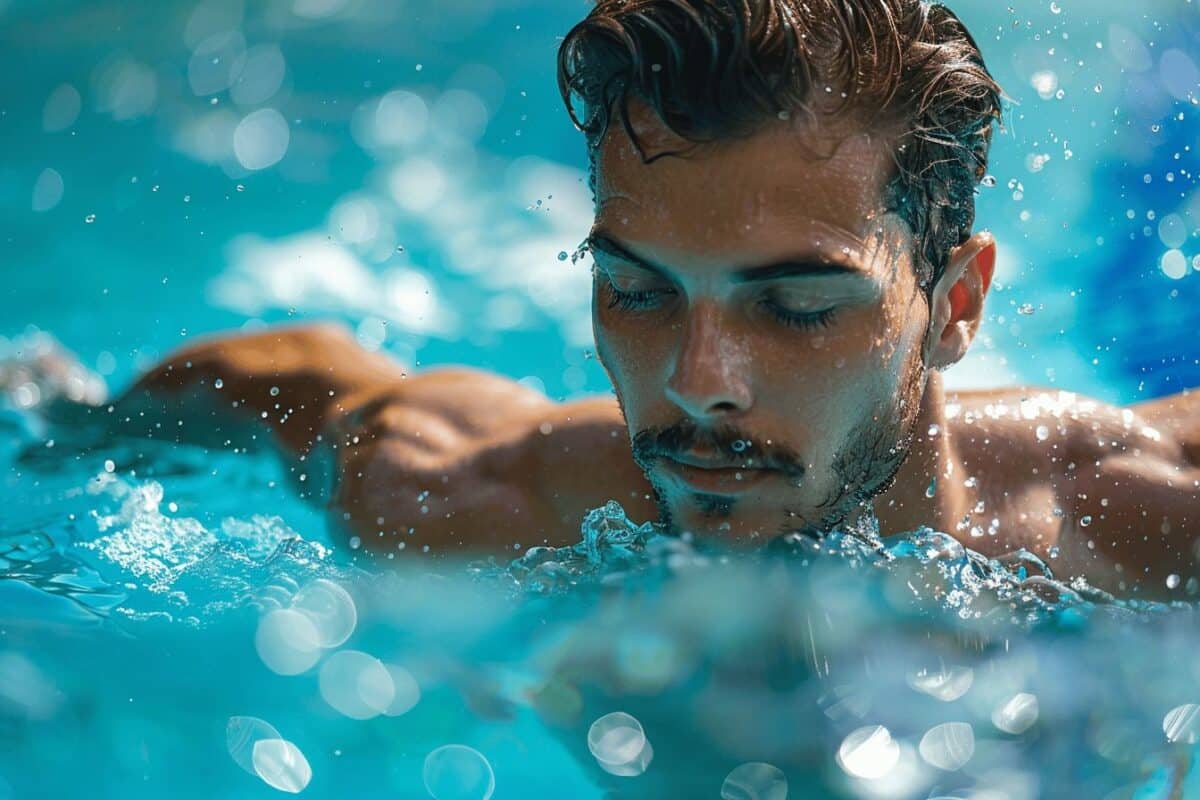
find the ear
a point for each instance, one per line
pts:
(957, 301)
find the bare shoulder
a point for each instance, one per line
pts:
(458, 460)
(1109, 491)
(1061, 427)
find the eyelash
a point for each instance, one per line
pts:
(633, 301)
(641, 300)
(810, 321)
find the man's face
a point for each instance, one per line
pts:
(761, 321)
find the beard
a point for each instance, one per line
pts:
(863, 468)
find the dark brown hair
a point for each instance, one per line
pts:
(714, 69)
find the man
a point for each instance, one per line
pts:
(784, 263)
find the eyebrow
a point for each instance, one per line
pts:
(821, 266)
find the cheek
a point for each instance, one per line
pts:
(627, 354)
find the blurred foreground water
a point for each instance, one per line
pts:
(174, 623)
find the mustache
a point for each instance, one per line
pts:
(724, 442)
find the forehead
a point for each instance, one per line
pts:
(768, 191)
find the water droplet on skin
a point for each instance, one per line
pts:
(740, 446)
(1085, 520)
(218, 383)
(1042, 432)
(274, 391)
(1172, 581)
(935, 429)
(1053, 551)
(932, 488)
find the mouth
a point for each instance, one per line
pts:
(715, 476)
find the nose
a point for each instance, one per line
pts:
(709, 376)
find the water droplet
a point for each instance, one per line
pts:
(1042, 432)
(935, 429)
(287, 642)
(931, 490)
(946, 684)
(1025, 309)
(562, 255)
(219, 384)
(241, 187)
(241, 734)
(869, 752)
(740, 446)
(755, 781)
(458, 772)
(948, 746)
(109, 466)
(989, 180)
(1017, 714)
(616, 738)
(89, 219)
(356, 684)
(1098, 88)
(1085, 520)
(1055, 8)
(274, 391)
(1182, 724)
(1053, 551)
(330, 609)
(281, 765)
(1172, 581)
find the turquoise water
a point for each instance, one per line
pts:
(176, 169)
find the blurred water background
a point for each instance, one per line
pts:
(173, 169)
(179, 168)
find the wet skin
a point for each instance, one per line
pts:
(775, 361)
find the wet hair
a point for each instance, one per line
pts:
(721, 69)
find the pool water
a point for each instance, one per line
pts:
(174, 621)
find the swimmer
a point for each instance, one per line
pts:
(785, 261)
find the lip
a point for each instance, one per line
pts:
(709, 477)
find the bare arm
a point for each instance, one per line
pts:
(293, 381)
(456, 460)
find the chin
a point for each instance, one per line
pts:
(732, 520)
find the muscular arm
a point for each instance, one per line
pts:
(450, 460)
(292, 381)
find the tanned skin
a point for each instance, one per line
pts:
(727, 333)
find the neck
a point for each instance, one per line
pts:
(907, 505)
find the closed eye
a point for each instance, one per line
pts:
(804, 320)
